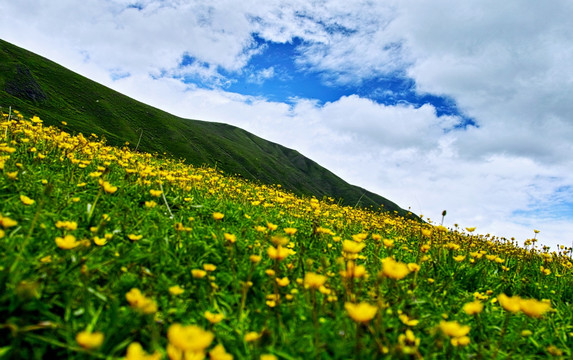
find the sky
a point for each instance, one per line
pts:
(464, 106)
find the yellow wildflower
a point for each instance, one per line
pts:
(107, 187)
(362, 312)
(89, 340)
(176, 290)
(271, 226)
(454, 329)
(394, 269)
(6, 222)
(67, 225)
(138, 301)
(190, 338)
(413, 267)
(155, 193)
(134, 237)
(198, 273)
(510, 304)
(534, 308)
(474, 307)
(150, 204)
(135, 352)
(268, 357)
(313, 280)
(282, 282)
(67, 242)
(459, 258)
(218, 215)
(100, 241)
(26, 200)
(388, 243)
(290, 231)
(230, 237)
(209, 267)
(214, 318)
(278, 253)
(252, 336)
(255, 258)
(219, 353)
(352, 247)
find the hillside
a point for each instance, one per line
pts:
(37, 86)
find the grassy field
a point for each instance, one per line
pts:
(110, 253)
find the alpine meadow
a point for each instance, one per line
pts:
(116, 243)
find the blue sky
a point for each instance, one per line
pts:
(444, 104)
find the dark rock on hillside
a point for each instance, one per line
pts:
(23, 85)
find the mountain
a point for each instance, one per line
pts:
(37, 86)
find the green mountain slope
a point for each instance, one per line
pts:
(37, 86)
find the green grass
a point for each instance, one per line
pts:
(37, 86)
(50, 294)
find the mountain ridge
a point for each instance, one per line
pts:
(37, 86)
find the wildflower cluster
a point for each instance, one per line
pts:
(110, 252)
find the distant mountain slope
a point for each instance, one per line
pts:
(37, 86)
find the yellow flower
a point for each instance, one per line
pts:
(352, 247)
(459, 258)
(427, 232)
(282, 282)
(139, 302)
(67, 242)
(252, 336)
(268, 357)
(134, 237)
(460, 341)
(388, 243)
(218, 215)
(394, 269)
(362, 312)
(176, 290)
(255, 258)
(271, 226)
(89, 340)
(100, 241)
(198, 273)
(534, 308)
(107, 187)
(290, 231)
(155, 193)
(209, 267)
(219, 353)
(135, 352)
(510, 304)
(454, 329)
(407, 321)
(359, 237)
(470, 229)
(26, 200)
(413, 267)
(278, 253)
(313, 280)
(150, 204)
(6, 222)
(67, 225)
(474, 307)
(214, 318)
(12, 175)
(230, 237)
(189, 338)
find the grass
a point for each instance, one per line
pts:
(37, 86)
(107, 252)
